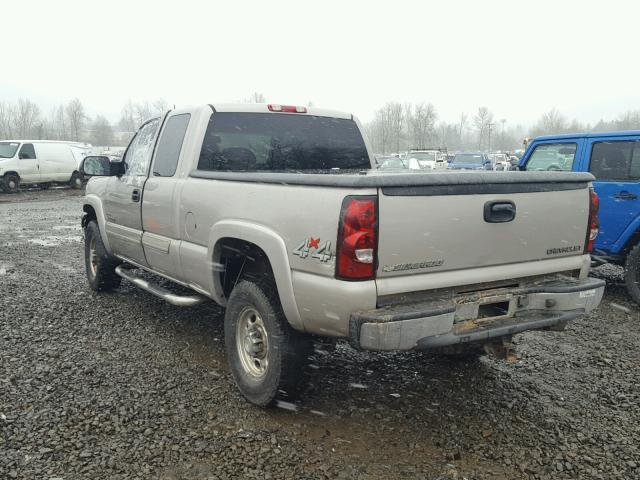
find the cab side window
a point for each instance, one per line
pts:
(552, 156)
(140, 150)
(27, 152)
(170, 145)
(615, 160)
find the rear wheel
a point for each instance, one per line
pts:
(11, 183)
(266, 356)
(99, 265)
(76, 181)
(632, 273)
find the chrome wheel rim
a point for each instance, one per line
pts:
(12, 185)
(93, 257)
(252, 342)
(78, 182)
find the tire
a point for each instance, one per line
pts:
(76, 181)
(99, 265)
(266, 356)
(11, 183)
(632, 273)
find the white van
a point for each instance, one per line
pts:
(42, 162)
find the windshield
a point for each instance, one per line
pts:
(282, 142)
(556, 156)
(468, 158)
(423, 156)
(8, 149)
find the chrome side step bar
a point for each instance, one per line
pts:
(166, 295)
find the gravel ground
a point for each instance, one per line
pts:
(123, 385)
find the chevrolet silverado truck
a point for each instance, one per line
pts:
(277, 213)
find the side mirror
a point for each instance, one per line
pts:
(101, 167)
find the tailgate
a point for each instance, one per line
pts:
(446, 227)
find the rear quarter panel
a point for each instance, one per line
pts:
(305, 218)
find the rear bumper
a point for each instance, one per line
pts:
(458, 319)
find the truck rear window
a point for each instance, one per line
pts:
(281, 142)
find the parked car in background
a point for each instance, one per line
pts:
(29, 162)
(614, 159)
(430, 159)
(500, 161)
(471, 161)
(394, 163)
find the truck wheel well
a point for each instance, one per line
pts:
(89, 214)
(11, 173)
(239, 259)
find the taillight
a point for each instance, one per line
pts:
(286, 108)
(594, 225)
(356, 251)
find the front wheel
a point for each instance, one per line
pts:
(266, 356)
(632, 273)
(99, 265)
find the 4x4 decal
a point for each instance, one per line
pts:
(322, 251)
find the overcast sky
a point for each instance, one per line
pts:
(518, 58)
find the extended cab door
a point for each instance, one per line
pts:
(28, 167)
(615, 162)
(122, 204)
(160, 207)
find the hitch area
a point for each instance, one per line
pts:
(502, 348)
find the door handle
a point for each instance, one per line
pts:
(624, 195)
(135, 195)
(500, 211)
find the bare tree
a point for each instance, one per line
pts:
(482, 121)
(551, 122)
(382, 130)
(76, 118)
(127, 121)
(6, 120)
(396, 119)
(160, 106)
(143, 111)
(101, 132)
(26, 115)
(255, 97)
(422, 124)
(58, 129)
(628, 121)
(462, 125)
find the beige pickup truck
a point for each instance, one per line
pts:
(275, 213)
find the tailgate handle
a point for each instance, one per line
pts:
(499, 211)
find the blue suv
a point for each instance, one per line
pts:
(614, 159)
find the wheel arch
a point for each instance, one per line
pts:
(230, 237)
(92, 209)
